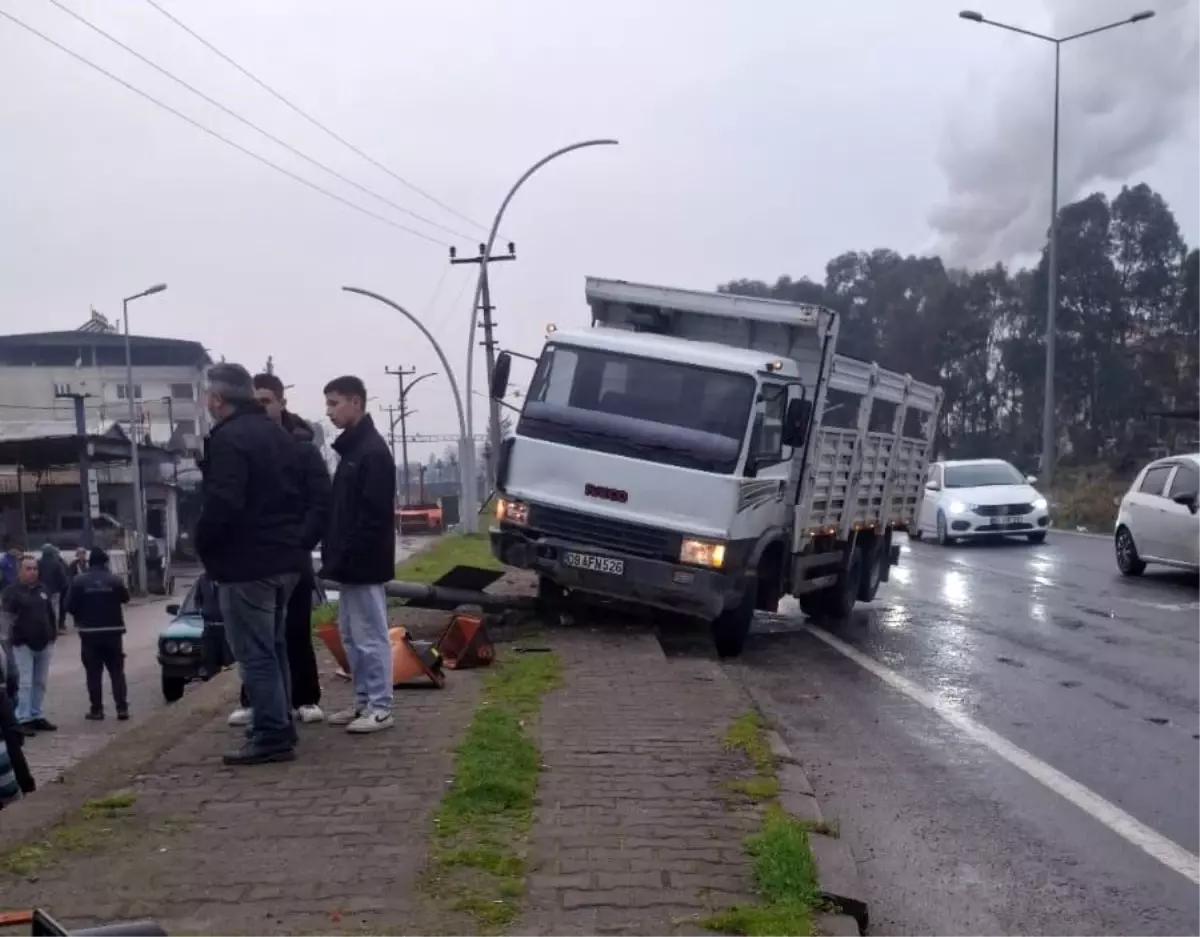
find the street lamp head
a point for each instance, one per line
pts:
(156, 288)
(1144, 15)
(970, 15)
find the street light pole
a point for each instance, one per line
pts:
(465, 444)
(139, 514)
(484, 255)
(1049, 435)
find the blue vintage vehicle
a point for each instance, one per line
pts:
(181, 645)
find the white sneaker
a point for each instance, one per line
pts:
(241, 716)
(371, 721)
(309, 714)
(343, 717)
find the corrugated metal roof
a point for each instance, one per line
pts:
(17, 430)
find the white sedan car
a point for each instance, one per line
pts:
(1157, 521)
(980, 498)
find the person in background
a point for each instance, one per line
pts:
(316, 494)
(250, 539)
(359, 552)
(95, 600)
(52, 572)
(10, 563)
(79, 564)
(32, 634)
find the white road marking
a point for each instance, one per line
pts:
(1132, 830)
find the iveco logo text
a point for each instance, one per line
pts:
(608, 494)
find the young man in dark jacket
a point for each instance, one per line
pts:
(359, 553)
(31, 637)
(96, 601)
(250, 540)
(52, 571)
(316, 496)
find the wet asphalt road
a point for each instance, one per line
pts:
(1052, 650)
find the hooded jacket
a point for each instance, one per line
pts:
(96, 598)
(52, 571)
(360, 546)
(317, 489)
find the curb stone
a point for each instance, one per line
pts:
(837, 871)
(117, 764)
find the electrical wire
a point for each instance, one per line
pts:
(437, 289)
(212, 133)
(253, 126)
(312, 120)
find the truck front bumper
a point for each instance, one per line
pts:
(691, 590)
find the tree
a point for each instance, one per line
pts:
(1127, 337)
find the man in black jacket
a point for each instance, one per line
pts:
(359, 553)
(96, 601)
(31, 637)
(316, 495)
(250, 540)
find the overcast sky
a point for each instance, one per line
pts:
(758, 138)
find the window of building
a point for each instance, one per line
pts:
(123, 391)
(186, 427)
(183, 391)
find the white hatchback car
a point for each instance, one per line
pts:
(980, 498)
(1157, 521)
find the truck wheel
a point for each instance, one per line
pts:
(843, 595)
(815, 604)
(172, 688)
(770, 588)
(873, 560)
(731, 628)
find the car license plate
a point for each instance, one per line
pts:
(1016, 522)
(594, 564)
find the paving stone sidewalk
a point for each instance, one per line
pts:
(633, 834)
(331, 843)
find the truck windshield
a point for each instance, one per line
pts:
(646, 408)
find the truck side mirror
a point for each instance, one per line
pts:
(795, 422)
(500, 373)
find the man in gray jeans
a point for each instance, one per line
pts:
(250, 540)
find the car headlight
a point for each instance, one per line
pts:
(702, 553)
(515, 512)
(1039, 504)
(185, 647)
(956, 507)
(171, 647)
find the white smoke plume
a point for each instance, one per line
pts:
(1125, 94)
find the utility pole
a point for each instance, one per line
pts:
(402, 415)
(88, 491)
(489, 342)
(170, 434)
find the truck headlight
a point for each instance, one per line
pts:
(515, 512)
(702, 553)
(1039, 504)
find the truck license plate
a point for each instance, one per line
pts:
(594, 564)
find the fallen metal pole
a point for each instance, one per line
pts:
(425, 595)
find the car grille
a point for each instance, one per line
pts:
(603, 532)
(1003, 510)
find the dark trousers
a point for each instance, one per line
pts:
(302, 660)
(62, 611)
(101, 652)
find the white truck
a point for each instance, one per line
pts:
(707, 454)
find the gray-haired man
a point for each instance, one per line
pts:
(250, 540)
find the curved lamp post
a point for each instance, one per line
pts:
(465, 445)
(493, 418)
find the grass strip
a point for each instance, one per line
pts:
(481, 828)
(785, 874)
(87, 831)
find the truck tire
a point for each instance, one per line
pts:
(843, 596)
(770, 586)
(873, 561)
(731, 628)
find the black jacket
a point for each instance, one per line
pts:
(95, 601)
(360, 545)
(251, 516)
(314, 475)
(52, 572)
(33, 623)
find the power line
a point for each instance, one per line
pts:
(249, 123)
(212, 133)
(312, 120)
